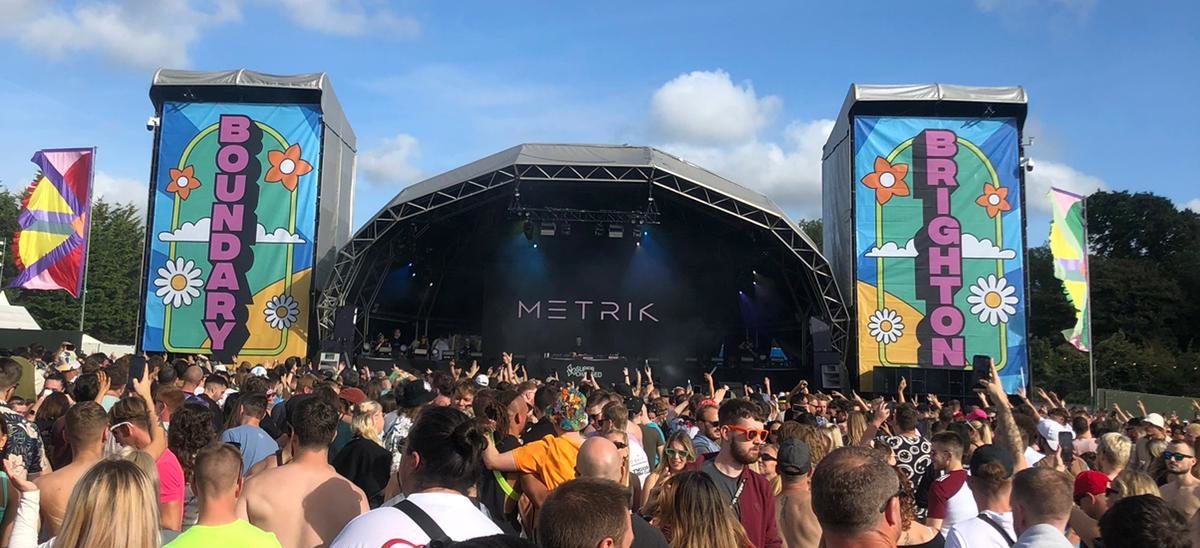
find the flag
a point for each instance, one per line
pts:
(50, 245)
(1068, 245)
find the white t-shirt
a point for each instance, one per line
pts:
(639, 464)
(950, 499)
(387, 526)
(975, 533)
(1032, 456)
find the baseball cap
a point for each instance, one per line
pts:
(1156, 420)
(977, 414)
(416, 393)
(1090, 482)
(481, 380)
(794, 458)
(259, 371)
(352, 395)
(1049, 429)
(988, 454)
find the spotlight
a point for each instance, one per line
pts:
(430, 284)
(529, 228)
(414, 274)
(755, 282)
(535, 246)
(754, 272)
(410, 265)
(548, 229)
(616, 231)
(639, 243)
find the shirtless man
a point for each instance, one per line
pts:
(304, 502)
(797, 524)
(1182, 491)
(87, 430)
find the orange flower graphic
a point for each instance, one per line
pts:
(183, 182)
(286, 167)
(995, 199)
(887, 180)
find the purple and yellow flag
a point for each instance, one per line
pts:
(50, 246)
(1068, 245)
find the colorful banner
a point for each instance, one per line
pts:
(939, 244)
(1068, 245)
(50, 245)
(232, 228)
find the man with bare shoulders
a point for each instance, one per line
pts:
(1182, 491)
(798, 524)
(87, 430)
(304, 502)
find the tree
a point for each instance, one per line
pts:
(813, 228)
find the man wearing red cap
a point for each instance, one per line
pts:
(1091, 493)
(1182, 491)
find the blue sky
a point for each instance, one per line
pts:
(748, 89)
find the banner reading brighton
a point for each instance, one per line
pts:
(940, 251)
(231, 234)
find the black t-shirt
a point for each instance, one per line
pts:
(492, 496)
(645, 535)
(725, 484)
(368, 465)
(538, 430)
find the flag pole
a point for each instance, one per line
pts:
(1088, 280)
(87, 242)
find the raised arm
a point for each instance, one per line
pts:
(879, 416)
(900, 390)
(1007, 435)
(158, 436)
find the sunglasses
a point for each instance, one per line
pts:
(1167, 455)
(767, 458)
(751, 434)
(620, 445)
(596, 419)
(1111, 492)
(678, 453)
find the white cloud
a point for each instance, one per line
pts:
(1193, 204)
(1047, 174)
(350, 18)
(121, 190)
(147, 34)
(891, 250)
(974, 248)
(391, 162)
(199, 232)
(707, 108)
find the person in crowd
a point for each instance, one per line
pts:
(599, 458)
(167, 400)
(766, 465)
(913, 533)
(678, 453)
(707, 439)
(699, 516)
(193, 431)
(745, 491)
(504, 415)
(217, 481)
(1182, 491)
(23, 438)
(463, 396)
(363, 460)
(855, 497)
(50, 407)
(135, 424)
(798, 524)
(254, 443)
(1041, 504)
(1143, 521)
(1131, 483)
(440, 465)
(1112, 454)
(118, 375)
(305, 503)
(950, 498)
(914, 454)
(1091, 493)
(586, 513)
(213, 395)
(551, 459)
(1084, 442)
(616, 419)
(990, 482)
(10, 497)
(539, 426)
(113, 506)
(411, 397)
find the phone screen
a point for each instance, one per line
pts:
(137, 367)
(1066, 446)
(981, 370)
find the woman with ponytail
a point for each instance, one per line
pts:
(440, 462)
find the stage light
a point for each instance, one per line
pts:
(754, 272)
(535, 246)
(565, 229)
(529, 228)
(548, 229)
(410, 265)
(430, 284)
(414, 274)
(616, 231)
(639, 244)
(599, 229)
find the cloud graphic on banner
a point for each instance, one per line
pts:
(199, 232)
(974, 248)
(891, 250)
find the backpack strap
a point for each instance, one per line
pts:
(437, 537)
(988, 520)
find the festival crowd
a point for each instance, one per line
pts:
(193, 453)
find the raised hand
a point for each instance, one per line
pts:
(880, 413)
(903, 384)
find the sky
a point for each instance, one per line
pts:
(748, 90)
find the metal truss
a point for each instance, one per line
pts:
(348, 286)
(649, 216)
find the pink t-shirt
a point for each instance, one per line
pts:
(170, 479)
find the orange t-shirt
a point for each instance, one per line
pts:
(551, 459)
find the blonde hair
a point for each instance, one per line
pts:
(1132, 483)
(1112, 451)
(856, 424)
(363, 423)
(114, 505)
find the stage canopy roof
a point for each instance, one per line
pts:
(568, 163)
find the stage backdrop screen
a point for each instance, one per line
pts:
(939, 251)
(231, 229)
